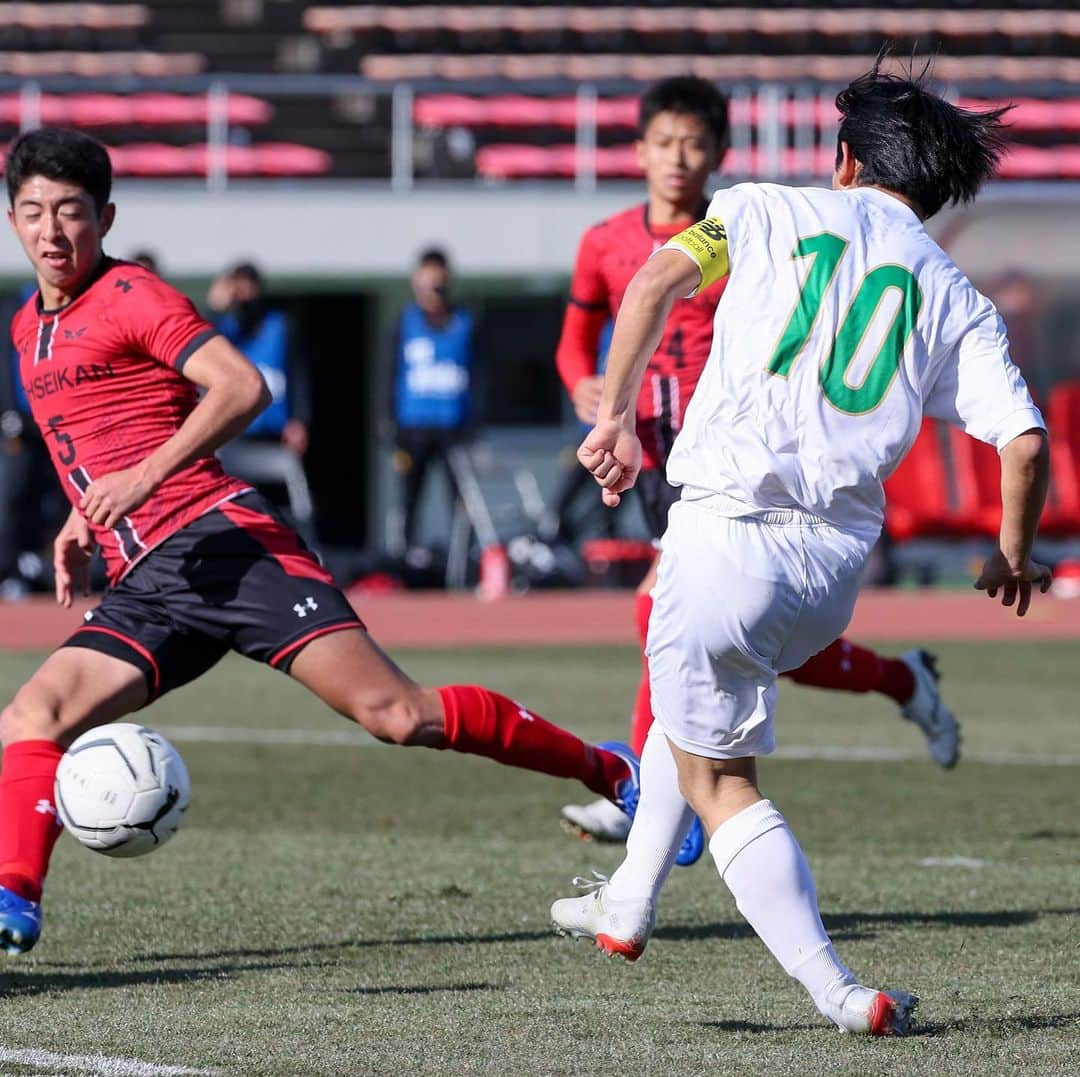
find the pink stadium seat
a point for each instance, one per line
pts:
(513, 161)
(140, 110)
(647, 67)
(266, 159)
(54, 16)
(780, 23)
(519, 110)
(93, 64)
(1031, 114)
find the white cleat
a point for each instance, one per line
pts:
(927, 710)
(599, 821)
(620, 928)
(867, 1012)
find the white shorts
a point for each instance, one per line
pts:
(737, 601)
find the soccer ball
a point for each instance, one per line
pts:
(122, 789)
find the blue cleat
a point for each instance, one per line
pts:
(20, 922)
(693, 845)
(629, 789)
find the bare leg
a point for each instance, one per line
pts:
(348, 671)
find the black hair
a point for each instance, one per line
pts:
(248, 271)
(687, 95)
(914, 142)
(433, 256)
(145, 258)
(59, 154)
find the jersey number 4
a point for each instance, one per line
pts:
(827, 250)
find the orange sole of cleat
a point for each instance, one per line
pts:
(616, 947)
(882, 1016)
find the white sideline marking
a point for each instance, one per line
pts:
(952, 862)
(97, 1065)
(899, 755)
(357, 738)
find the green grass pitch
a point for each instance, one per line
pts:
(358, 909)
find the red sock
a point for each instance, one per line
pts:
(29, 825)
(846, 667)
(485, 723)
(643, 716)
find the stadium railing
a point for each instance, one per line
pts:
(348, 127)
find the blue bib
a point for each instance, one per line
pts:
(432, 385)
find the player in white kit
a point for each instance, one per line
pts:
(841, 325)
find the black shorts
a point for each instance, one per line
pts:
(235, 579)
(657, 496)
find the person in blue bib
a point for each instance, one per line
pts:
(270, 452)
(433, 384)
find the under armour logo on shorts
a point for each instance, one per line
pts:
(309, 604)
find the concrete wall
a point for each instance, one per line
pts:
(330, 230)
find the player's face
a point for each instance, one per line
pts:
(431, 286)
(60, 230)
(677, 154)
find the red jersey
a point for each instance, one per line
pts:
(103, 379)
(610, 254)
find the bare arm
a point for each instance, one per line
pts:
(1025, 473)
(235, 394)
(611, 451)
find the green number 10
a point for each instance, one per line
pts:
(827, 250)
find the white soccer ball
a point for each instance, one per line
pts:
(122, 789)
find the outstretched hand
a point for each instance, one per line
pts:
(612, 455)
(998, 575)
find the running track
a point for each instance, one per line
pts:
(435, 619)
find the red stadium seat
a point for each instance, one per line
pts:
(512, 161)
(1062, 515)
(138, 110)
(940, 488)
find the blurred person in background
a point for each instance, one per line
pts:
(683, 135)
(26, 479)
(147, 259)
(433, 387)
(272, 449)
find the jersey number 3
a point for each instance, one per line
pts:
(827, 250)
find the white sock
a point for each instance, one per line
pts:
(663, 817)
(765, 869)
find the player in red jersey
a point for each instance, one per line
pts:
(683, 137)
(111, 358)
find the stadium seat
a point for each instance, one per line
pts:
(513, 161)
(1062, 515)
(74, 16)
(923, 497)
(724, 28)
(586, 67)
(145, 64)
(521, 110)
(265, 159)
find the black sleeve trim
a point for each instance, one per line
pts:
(193, 346)
(587, 306)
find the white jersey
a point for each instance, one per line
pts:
(842, 323)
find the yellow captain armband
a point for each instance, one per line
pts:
(706, 242)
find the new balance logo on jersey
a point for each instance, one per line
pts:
(301, 610)
(74, 334)
(124, 286)
(712, 229)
